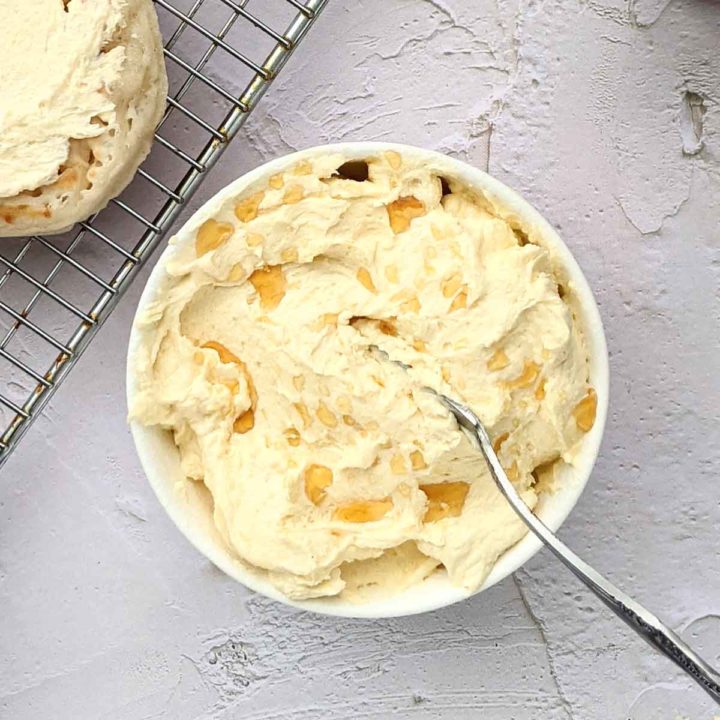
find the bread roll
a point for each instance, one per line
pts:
(82, 89)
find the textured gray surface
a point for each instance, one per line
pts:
(606, 115)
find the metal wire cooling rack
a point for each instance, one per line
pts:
(55, 293)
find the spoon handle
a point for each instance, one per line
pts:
(647, 625)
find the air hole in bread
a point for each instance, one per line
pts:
(111, 44)
(561, 290)
(130, 124)
(355, 170)
(65, 5)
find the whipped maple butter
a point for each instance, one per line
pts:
(331, 468)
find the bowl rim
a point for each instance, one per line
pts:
(147, 439)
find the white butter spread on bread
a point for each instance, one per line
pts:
(82, 89)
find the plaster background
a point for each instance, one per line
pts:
(606, 115)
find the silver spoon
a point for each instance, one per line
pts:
(635, 615)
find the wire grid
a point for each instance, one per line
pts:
(55, 293)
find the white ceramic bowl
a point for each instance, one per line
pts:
(189, 504)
